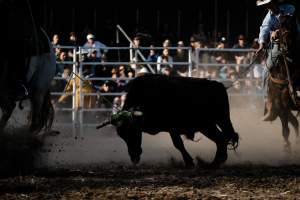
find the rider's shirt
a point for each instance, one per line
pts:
(271, 22)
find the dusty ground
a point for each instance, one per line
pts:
(95, 165)
(157, 182)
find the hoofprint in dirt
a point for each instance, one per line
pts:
(166, 181)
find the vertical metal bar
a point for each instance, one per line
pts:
(80, 98)
(74, 109)
(74, 87)
(197, 62)
(190, 63)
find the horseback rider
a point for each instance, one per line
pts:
(34, 43)
(269, 31)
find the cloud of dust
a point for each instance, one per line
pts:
(261, 143)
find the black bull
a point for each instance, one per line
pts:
(179, 106)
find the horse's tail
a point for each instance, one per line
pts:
(47, 112)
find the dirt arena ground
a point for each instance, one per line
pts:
(95, 165)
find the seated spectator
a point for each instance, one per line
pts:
(90, 70)
(162, 67)
(92, 45)
(240, 57)
(60, 66)
(56, 42)
(122, 73)
(181, 56)
(133, 49)
(153, 56)
(196, 57)
(72, 42)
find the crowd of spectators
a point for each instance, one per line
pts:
(208, 60)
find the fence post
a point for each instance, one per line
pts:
(197, 53)
(190, 63)
(74, 111)
(80, 105)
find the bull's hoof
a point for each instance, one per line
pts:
(135, 161)
(189, 165)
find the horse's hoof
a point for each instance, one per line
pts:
(287, 149)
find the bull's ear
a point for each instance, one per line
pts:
(137, 113)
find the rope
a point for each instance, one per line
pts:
(247, 69)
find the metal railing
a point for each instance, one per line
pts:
(78, 65)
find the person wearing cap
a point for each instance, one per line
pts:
(92, 45)
(269, 30)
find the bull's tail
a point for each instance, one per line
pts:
(233, 142)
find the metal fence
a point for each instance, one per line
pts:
(208, 63)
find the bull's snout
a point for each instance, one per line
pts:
(135, 160)
(135, 156)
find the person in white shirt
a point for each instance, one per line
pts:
(92, 45)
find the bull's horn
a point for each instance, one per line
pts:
(104, 123)
(137, 113)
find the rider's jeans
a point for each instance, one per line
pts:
(272, 60)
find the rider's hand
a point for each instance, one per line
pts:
(275, 35)
(260, 48)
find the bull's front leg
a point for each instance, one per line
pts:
(178, 143)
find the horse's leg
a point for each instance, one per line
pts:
(295, 125)
(7, 108)
(37, 101)
(48, 115)
(284, 118)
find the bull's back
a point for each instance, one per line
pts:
(166, 99)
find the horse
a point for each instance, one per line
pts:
(35, 62)
(283, 79)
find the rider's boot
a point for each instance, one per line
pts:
(269, 116)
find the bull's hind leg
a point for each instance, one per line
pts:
(7, 108)
(285, 131)
(214, 134)
(178, 143)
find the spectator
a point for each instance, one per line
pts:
(92, 45)
(60, 66)
(133, 49)
(240, 57)
(55, 42)
(152, 57)
(181, 56)
(162, 67)
(196, 45)
(72, 42)
(90, 70)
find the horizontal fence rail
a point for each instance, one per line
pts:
(199, 63)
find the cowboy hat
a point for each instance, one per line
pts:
(262, 2)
